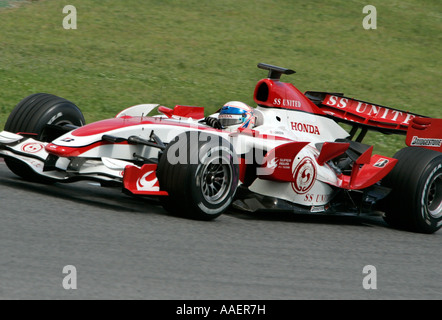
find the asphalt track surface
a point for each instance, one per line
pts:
(126, 248)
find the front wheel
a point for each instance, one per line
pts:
(200, 173)
(32, 115)
(415, 202)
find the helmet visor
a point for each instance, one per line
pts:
(227, 120)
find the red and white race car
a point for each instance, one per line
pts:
(289, 153)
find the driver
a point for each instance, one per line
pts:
(232, 116)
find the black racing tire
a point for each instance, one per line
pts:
(32, 115)
(415, 202)
(200, 172)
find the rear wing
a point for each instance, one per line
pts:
(421, 131)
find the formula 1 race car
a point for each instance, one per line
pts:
(295, 156)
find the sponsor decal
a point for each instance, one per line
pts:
(32, 147)
(281, 163)
(287, 103)
(68, 139)
(309, 197)
(304, 176)
(58, 115)
(315, 209)
(148, 182)
(273, 163)
(381, 163)
(426, 142)
(366, 109)
(285, 163)
(304, 127)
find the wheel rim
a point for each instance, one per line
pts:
(216, 179)
(434, 197)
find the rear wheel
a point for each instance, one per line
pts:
(415, 202)
(32, 115)
(200, 173)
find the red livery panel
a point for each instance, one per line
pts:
(276, 94)
(278, 162)
(142, 181)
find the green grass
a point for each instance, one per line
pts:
(9, 3)
(205, 53)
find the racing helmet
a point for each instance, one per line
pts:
(236, 114)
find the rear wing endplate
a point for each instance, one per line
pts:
(426, 133)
